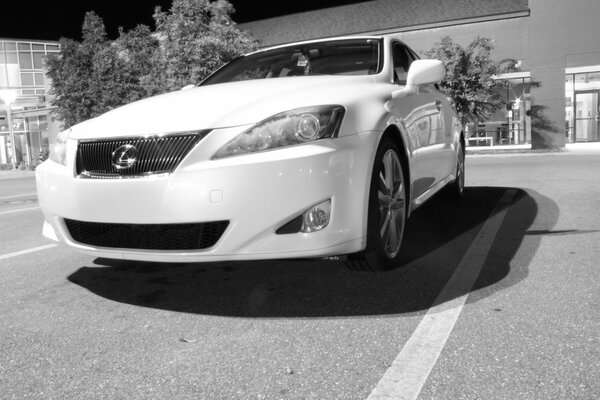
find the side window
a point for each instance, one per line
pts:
(403, 57)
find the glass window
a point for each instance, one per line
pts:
(10, 46)
(587, 110)
(52, 47)
(9, 75)
(38, 60)
(335, 57)
(402, 61)
(28, 91)
(2, 58)
(1, 46)
(11, 58)
(34, 124)
(582, 107)
(587, 81)
(39, 79)
(25, 61)
(569, 103)
(19, 124)
(511, 123)
(39, 47)
(24, 46)
(27, 79)
(43, 122)
(40, 91)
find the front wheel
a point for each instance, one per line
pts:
(457, 188)
(386, 212)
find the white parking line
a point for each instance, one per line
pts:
(17, 195)
(27, 251)
(19, 210)
(405, 378)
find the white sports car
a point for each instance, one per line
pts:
(307, 150)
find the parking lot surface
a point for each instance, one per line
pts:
(498, 298)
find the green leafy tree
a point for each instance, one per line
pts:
(135, 50)
(196, 37)
(75, 92)
(469, 77)
(96, 75)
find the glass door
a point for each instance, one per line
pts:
(587, 116)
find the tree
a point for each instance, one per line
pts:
(75, 92)
(135, 50)
(96, 75)
(469, 77)
(196, 38)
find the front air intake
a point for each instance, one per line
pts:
(194, 236)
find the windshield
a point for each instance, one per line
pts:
(339, 57)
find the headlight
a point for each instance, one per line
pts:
(58, 151)
(286, 129)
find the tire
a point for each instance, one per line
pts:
(455, 191)
(386, 212)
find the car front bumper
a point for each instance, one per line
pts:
(256, 193)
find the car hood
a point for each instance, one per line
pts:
(222, 105)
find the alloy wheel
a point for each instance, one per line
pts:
(392, 203)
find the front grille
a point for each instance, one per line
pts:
(153, 155)
(194, 236)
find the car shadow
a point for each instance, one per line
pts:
(437, 237)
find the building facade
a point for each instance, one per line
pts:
(24, 103)
(553, 99)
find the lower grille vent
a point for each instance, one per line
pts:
(147, 236)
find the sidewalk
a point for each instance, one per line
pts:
(525, 149)
(584, 148)
(15, 174)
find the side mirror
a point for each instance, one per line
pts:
(421, 72)
(425, 72)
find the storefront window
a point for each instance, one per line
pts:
(582, 106)
(510, 124)
(22, 70)
(569, 102)
(587, 81)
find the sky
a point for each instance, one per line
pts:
(53, 19)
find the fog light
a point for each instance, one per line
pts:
(317, 217)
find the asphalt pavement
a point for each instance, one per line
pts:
(498, 298)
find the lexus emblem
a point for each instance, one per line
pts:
(124, 157)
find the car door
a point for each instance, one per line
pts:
(422, 115)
